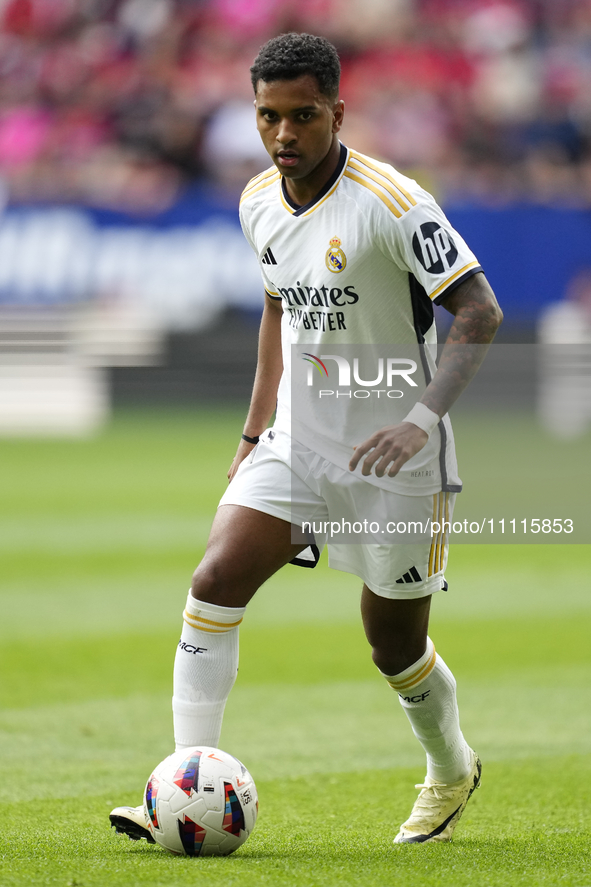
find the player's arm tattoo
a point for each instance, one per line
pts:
(477, 317)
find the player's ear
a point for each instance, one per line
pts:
(338, 115)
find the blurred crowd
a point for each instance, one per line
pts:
(126, 103)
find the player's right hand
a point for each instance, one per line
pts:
(392, 446)
(244, 449)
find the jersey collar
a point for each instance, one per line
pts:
(325, 192)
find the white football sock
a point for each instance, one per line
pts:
(427, 692)
(205, 669)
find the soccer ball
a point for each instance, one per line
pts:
(201, 801)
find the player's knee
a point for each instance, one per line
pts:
(210, 583)
(393, 659)
(221, 581)
(385, 661)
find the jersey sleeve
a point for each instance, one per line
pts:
(423, 241)
(270, 288)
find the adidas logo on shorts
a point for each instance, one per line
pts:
(412, 576)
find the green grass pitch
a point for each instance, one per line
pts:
(98, 540)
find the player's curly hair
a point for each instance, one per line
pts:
(289, 56)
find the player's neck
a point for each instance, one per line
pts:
(303, 191)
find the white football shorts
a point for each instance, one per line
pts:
(287, 480)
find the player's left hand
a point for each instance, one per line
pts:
(391, 446)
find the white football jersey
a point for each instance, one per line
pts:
(357, 271)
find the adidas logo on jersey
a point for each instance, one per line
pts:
(411, 576)
(269, 258)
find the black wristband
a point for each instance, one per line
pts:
(251, 440)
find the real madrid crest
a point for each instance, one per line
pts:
(336, 260)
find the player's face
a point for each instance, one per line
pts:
(298, 125)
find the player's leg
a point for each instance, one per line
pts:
(245, 548)
(405, 655)
(396, 629)
(251, 538)
(399, 581)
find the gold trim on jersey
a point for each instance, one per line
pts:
(326, 196)
(312, 209)
(439, 543)
(444, 542)
(373, 188)
(452, 278)
(382, 181)
(370, 164)
(265, 174)
(263, 180)
(259, 176)
(289, 208)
